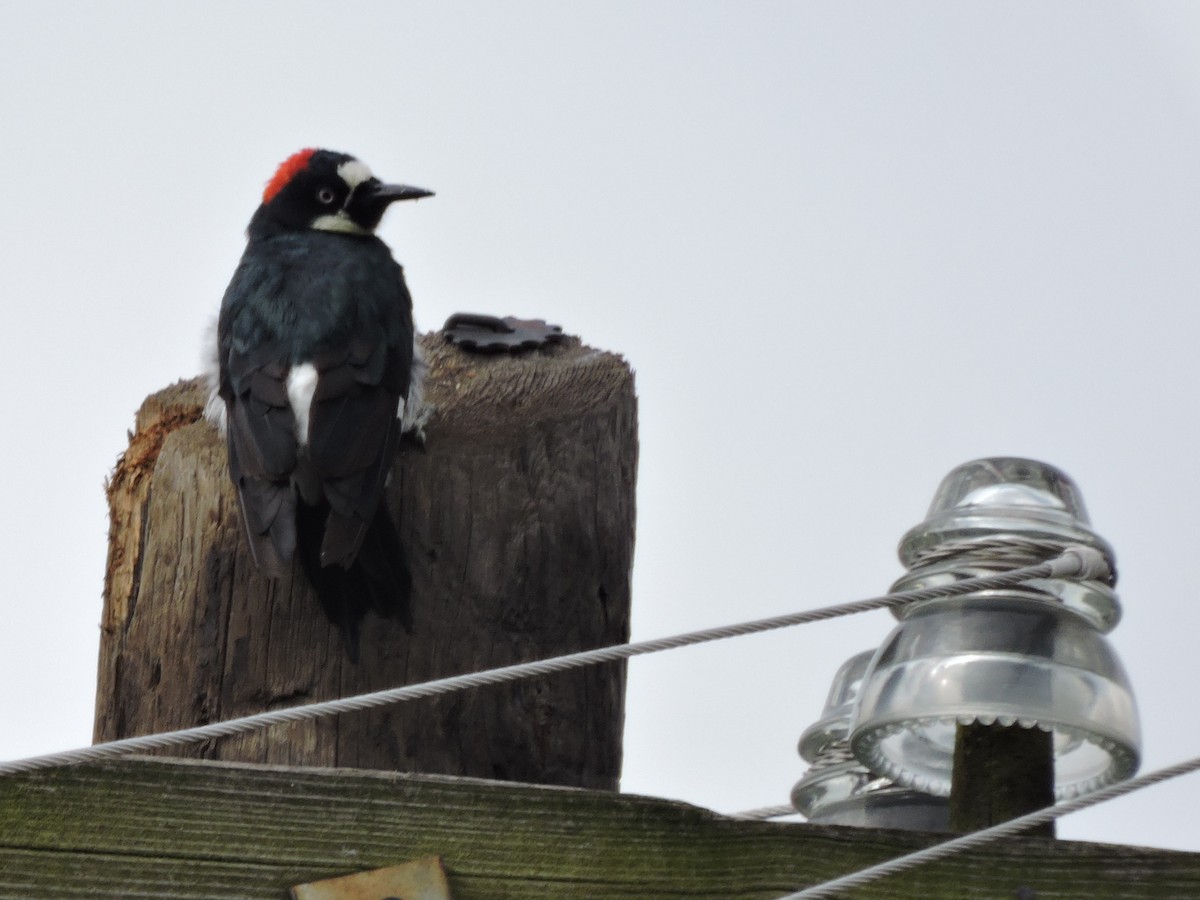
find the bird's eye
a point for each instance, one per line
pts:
(325, 195)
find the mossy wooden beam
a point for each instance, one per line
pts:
(184, 829)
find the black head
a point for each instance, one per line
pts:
(327, 191)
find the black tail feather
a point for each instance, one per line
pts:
(384, 564)
(378, 579)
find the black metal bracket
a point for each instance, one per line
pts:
(488, 334)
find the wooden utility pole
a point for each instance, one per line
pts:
(1005, 771)
(518, 520)
(1001, 772)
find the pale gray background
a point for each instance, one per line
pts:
(846, 246)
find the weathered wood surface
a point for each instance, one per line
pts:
(145, 828)
(518, 518)
(1001, 772)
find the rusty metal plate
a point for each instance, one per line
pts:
(421, 879)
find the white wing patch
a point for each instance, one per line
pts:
(301, 383)
(214, 409)
(413, 412)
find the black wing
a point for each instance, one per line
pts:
(352, 435)
(342, 306)
(262, 447)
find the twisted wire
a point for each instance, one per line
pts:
(1003, 551)
(978, 838)
(1074, 562)
(767, 812)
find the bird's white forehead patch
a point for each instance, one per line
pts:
(354, 173)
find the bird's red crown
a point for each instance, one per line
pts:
(286, 172)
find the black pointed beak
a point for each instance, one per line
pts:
(370, 201)
(391, 193)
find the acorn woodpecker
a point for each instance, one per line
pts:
(316, 375)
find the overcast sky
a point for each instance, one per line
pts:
(845, 246)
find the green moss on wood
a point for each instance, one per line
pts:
(165, 828)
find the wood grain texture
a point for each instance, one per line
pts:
(1001, 772)
(185, 829)
(518, 519)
